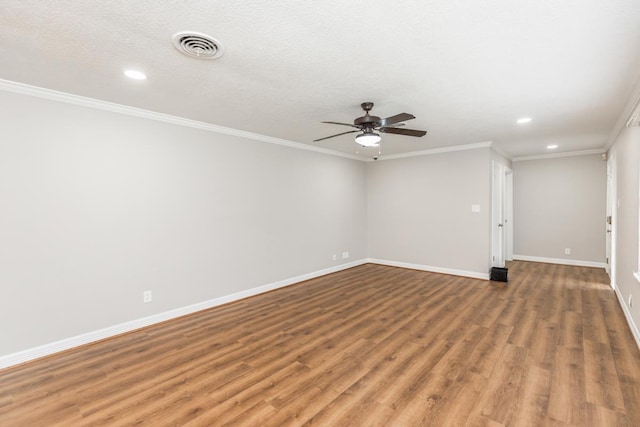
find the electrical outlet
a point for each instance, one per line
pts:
(345, 255)
(147, 297)
(335, 257)
(630, 300)
(567, 251)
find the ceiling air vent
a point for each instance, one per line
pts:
(197, 45)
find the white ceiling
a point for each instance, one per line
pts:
(466, 69)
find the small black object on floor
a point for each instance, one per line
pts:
(499, 274)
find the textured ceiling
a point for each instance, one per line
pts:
(466, 69)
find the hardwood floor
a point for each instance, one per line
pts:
(369, 346)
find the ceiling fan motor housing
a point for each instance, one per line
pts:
(367, 121)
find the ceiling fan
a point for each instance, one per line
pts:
(369, 125)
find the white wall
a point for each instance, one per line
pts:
(627, 155)
(560, 203)
(419, 210)
(96, 207)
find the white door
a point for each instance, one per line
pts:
(501, 211)
(611, 219)
(497, 215)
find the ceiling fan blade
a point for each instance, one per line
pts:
(402, 117)
(338, 134)
(407, 132)
(342, 124)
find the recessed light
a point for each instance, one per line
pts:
(524, 120)
(552, 147)
(135, 74)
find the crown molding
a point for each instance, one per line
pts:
(432, 151)
(499, 151)
(627, 119)
(556, 155)
(634, 120)
(53, 95)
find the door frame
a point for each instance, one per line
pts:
(612, 211)
(508, 214)
(501, 211)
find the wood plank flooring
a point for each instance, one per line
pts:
(369, 346)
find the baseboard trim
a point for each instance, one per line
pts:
(111, 331)
(632, 325)
(578, 263)
(454, 272)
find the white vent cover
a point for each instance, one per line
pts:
(197, 45)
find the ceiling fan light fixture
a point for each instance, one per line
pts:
(368, 139)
